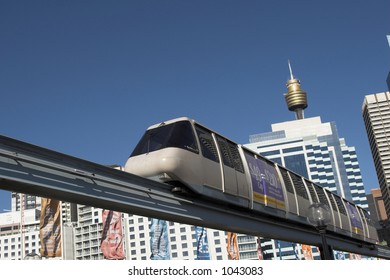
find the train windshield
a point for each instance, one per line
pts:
(179, 135)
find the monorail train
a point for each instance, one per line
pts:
(186, 154)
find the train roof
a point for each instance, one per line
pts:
(192, 121)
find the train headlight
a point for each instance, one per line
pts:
(164, 177)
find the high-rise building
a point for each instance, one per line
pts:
(376, 115)
(378, 215)
(17, 244)
(388, 76)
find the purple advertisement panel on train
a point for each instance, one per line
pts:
(266, 184)
(357, 226)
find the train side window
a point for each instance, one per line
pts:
(340, 205)
(321, 194)
(365, 216)
(332, 201)
(235, 155)
(230, 154)
(299, 187)
(312, 191)
(209, 150)
(286, 179)
(224, 148)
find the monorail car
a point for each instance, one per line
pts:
(184, 153)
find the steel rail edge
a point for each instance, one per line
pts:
(35, 170)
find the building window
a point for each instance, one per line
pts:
(297, 164)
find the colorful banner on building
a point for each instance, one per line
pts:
(202, 248)
(279, 248)
(338, 255)
(232, 246)
(159, 245)
(353, 256)
(307, 252)
(112, 238)
(259, 249)
(295, 249)
(50, 228)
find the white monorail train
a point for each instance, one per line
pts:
(186, 154)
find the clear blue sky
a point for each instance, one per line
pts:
(87, 77)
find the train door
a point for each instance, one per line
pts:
(212, 176)
(290, 192)
(345, 222)
(301, 194)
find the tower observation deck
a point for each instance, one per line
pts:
(295, 97)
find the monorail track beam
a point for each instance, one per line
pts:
(38, 171)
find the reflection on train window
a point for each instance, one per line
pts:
(207, 144)
(178, 135)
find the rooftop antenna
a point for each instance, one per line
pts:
(295, 97)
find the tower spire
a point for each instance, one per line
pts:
(289, 67)
(295, 97)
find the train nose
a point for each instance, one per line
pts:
(148, 167)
